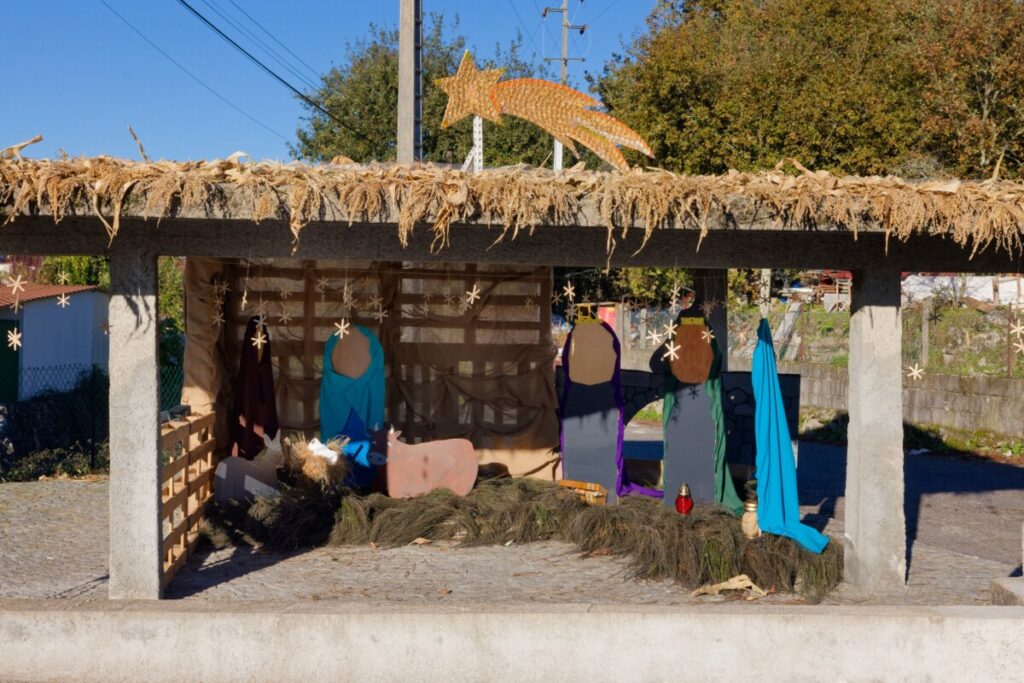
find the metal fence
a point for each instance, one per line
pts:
(67, 407)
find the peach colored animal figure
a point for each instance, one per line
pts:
(417, 469)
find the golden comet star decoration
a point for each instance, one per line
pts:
(14, 339)
(563, 112)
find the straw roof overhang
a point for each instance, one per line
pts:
(515, 214)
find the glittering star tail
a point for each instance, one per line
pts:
(563, 112)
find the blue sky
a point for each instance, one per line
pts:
(81, 76)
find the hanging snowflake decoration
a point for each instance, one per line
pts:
(321, 284)
(707, 335)
(915, 372)
(708, 307)
(569, 291)
(17, 284)
(218, 319)
(259, 339)
(528, 302)
(63, 277)
(473, 295)
(285, 317)
(63, 301)
(14, 339)
(1017, 329)
(341, 328)
(654, 338)
(380, 315)
(672, 352)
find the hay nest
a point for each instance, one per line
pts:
(313, 471)
(705, 547)
(973, 214)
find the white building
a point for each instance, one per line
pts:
(57, 342)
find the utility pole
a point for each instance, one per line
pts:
(410, 81)
(564, 59)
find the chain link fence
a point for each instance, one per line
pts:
(65, 409)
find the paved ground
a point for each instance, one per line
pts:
(965, 523)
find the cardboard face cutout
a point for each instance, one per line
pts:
(592, 356)
(695, 355)
(351, 355)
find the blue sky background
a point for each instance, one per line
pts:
(80, 76)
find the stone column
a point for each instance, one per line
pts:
(712, 285)
(135, 533)
(876, 535)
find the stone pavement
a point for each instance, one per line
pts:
(965, 519)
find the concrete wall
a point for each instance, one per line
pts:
(175, 641)
(991, 403)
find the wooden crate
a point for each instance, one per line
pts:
(588, 492)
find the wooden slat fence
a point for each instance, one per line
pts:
(187, 448)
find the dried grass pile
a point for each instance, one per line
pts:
(974, 214)
(707, 546)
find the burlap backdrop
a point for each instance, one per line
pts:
(484, 374)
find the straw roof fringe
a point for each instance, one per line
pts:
(518, 198)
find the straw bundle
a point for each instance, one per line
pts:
(973, 214)
(705, 547)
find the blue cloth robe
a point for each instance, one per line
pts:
(778, 507)
(349, 406)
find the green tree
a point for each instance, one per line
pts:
(744, 83)
(971, 56)
(80, 270)
(362, 92)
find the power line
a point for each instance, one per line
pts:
(256, 39)
(191, 75)
(523, 24)
(298, 93)
(604, 11)
(272, 37)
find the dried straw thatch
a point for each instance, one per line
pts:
(973, 214)
(707, 546)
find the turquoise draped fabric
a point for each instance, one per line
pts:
(778, 508)
(353, 404)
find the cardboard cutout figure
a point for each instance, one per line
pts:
(693, 419)
(255, 403)
(591, 405)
